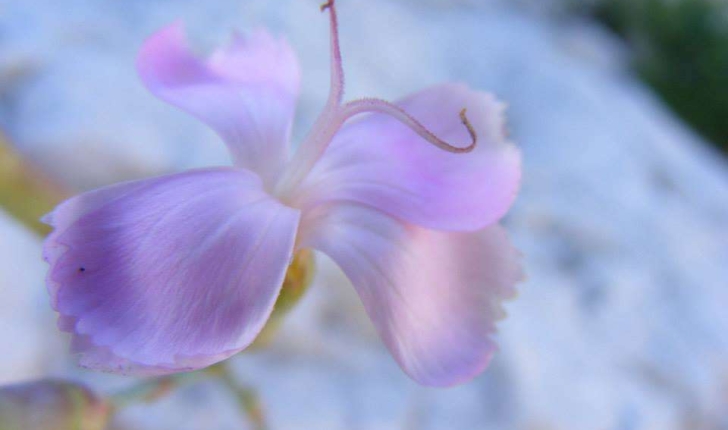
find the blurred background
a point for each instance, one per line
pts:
(620, 108)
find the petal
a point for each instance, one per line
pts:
(246, 91)
(168, 274)
(433, 296)
(379, 162)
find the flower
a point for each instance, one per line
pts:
(182, 271)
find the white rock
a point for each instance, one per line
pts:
(28, 335)
(623, 217)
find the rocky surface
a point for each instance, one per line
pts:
(24, 317)
(623, 218)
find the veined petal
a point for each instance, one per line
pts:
(433, 296)
(171, 273)
(246, 91)
(379, 162)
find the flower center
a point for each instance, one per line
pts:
(336, 113)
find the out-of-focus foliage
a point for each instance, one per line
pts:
(681, 50)
(24, 192)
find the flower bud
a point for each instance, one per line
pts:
(51, 405)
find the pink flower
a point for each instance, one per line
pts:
(179, 272)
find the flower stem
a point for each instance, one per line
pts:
(246, 397)
(151, 390)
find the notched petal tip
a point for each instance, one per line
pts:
(435, 297)
(158, 47)
(245, 91)
(127, 263)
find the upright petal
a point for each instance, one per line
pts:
(433, 296)
(246, 91)
(168, 274)
(379, 162)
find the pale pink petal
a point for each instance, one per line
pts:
(168, 274)
(433, 296)
(379, 162)
(246, 91)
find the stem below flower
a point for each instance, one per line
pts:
(247, 397)
(151, 390)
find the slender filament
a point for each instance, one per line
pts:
(334, 115)
(336, 93)
(382, 106)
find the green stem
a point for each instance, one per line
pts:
(247, 397)
(154, 389)
(151, 390)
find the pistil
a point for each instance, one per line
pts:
(334, 115)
